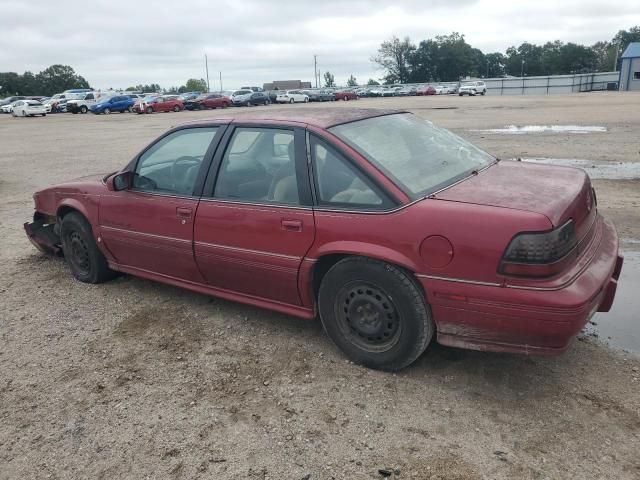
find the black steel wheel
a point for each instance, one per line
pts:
(375, 312)
(86, 261)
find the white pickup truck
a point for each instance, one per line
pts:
(80, 102)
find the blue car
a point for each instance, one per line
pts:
(118, 103)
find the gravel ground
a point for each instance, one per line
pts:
(133, 379)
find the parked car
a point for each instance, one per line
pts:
(81, 102)
(251, 99)
(319, 95)
(292, 96)
(208, 100)
(185, 97)
(10, 100)
(388, 92)
(376, 91)
(28, 108)
(472, 88)
(117, 103)
(444, 241)
(8, 108)
(345, 95)
(57, 103)
(273, 95)
(160, 103)
(253, 89)
(425, 90)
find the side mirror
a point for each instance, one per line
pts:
(119, 181)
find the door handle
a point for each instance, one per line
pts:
(183, 214)
(292, 225)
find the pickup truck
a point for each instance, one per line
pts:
(80, 102)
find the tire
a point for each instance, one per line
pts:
(44, 114)
(483, 92)
(149, 110)
(267, 102)
(176, 108)
(86, 261)
(291, 101)
(306, 99)
(355, 293)
(83, 109)
(107, 111)
(249, 104)
(346, 99)
(461, 94)
(129, 110)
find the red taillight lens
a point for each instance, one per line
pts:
(540, 254)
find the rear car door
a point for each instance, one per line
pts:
(255, 221)
(149, 226)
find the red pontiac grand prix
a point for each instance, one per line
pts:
(389, 228)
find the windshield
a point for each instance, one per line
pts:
(418, 156)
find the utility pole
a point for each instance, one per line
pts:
(615, 62)
(315, 69)
(220, 81)
(522, 70)
(206, 66)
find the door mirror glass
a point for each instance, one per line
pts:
(122, 181)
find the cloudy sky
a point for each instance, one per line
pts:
(119, 43)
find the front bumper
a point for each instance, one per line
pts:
(43, 237)
(527, 319)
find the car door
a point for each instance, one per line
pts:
(149, 226)
(255, 223)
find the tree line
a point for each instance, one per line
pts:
(450, 58)
(51, 80)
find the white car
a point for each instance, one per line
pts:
(8, 108)
(472, 88)
(28, 108)
(292, 96)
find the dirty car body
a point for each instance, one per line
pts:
(389, 228)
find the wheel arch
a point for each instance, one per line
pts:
(72, 205)
(328, 258)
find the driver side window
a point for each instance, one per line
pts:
(172, 165)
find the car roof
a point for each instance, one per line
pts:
(318, 117)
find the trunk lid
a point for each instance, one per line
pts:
(559, 193)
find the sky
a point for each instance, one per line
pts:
(117, 43)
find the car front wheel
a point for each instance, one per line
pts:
(375, 313)
(86, 261)
(107, 111)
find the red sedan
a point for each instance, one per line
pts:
(390, 229)
(158, 104)
(429, 90)
(345, 95)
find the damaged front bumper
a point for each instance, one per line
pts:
(43, 236)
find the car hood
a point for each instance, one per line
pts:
(559, 193)
(86, 184)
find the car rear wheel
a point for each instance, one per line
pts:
(375, 313)
(107, 111)
(346, 99)
(291, 101)
(83, 109)
(482, 93)
(149, 110)
(86, 261)
(176, 108)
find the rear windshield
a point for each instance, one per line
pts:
(415, 154)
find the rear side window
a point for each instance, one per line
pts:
(340, 184)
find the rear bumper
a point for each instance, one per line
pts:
(527, 319)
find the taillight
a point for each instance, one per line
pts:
(540, 254)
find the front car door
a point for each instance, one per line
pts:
(255, 222)
(149, 226)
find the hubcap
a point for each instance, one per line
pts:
(368, 317)
(79, 253)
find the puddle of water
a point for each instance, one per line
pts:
(620, 327)
(519, 130)
(596, 169)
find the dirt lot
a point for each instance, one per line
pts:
(133, 379)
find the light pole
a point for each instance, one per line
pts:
(315, 69)
(522, 70)
(206, 66)
(615, 61)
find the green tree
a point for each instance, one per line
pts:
(352, 82)
(605, 56)
(58, 78)
(494, 64)
(393, 56)
(624, 37)
(329, 80)
(195, 85)
(372, 82)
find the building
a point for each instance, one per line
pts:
(286, 85)
(630, 69)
